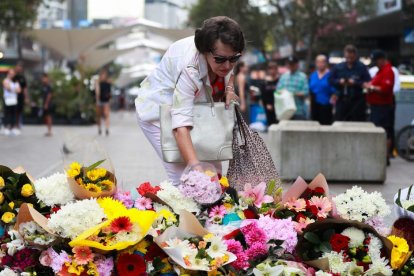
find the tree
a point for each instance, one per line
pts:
(254, 23)
(16, 16)
(310, 20)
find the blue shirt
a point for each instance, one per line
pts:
(321, 88)
(295, 83)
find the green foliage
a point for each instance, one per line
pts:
(17, 15)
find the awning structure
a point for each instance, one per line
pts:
(94, 59)
(156, 28)
(74, 42)
(129, 75)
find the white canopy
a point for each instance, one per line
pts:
(74, 42)
(96, 58)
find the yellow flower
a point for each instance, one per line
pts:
(107, 183)
(112, 207)
(142, 246)
(7, 217)
(169, 217)
(92, 269)
(75, 268)
(399, 251)
(224, 181)
(241, 215)
(100, 172)
(74, 170)
(93, 188)
(228, 206)
(208, 236)
(11, 205)
(93, 175)
(1, 198)
(2, 184)
(27, 190)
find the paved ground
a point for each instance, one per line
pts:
(133, 157)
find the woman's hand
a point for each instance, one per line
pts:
(230, 96)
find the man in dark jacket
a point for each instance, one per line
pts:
(348, 77)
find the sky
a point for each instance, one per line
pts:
(105, 9)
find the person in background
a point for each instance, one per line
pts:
(295, 82)
(103, 97)
(47, 95)
(322, 91)
(11, 89)
(22, 98)
(397, 87)
(268, 99)
(380, 95)
(242, 88)
(347, 78)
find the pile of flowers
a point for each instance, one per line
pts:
(54, 190)
(92, 178)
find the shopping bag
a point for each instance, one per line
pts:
(285, 104)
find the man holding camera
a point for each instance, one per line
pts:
(348, 78)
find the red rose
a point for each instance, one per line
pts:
(147, 188)
(249, 214)
(339, 242)
(319, 190)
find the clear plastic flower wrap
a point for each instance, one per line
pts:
(201, 183)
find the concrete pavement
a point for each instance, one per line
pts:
(133, 157)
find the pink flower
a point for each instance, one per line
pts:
(296, 204)
(46, 258)
(125, 198)
(256, 250)
(143, 203)
(323, 204)
(82, 254)
(219, 211)
(256, 194)
(302, 224)
(234, 246)
(242, 262)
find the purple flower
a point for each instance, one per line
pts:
(125, 198)
(104, 265)
(200, 187)
(378, 224)
(59, 260)
(143, 203)
(279, 229)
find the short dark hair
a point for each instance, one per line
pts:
(220, 28)
(351, 49)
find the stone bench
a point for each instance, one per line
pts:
(345, 151)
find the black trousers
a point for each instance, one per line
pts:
(10, 115)
(322, 113)
(354, 110)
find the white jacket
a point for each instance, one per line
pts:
(180, 79)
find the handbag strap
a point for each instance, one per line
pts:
(242, 126)
(209, 92)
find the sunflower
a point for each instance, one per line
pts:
(112, 207)
(131, 265)
(399, 251)
(74, 169)
(93, 188)
(107, 184)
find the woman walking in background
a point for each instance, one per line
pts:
(103, 97)
(242, 88)
(322, 92)
(11, 90)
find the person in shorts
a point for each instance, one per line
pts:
(103, 97)
(47, 107)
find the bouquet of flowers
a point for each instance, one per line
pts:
(305, 204)
(404, 202)
(92, 181)
(201, 183)
(402, 238)
(341, 246)
(117, 233)
(80, 261)
(54, 190)
(253, 244)
(280, 268)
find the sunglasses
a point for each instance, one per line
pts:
(221, 59)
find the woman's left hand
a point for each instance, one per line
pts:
(231, 97)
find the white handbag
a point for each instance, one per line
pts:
(285, 105)
(212, 132)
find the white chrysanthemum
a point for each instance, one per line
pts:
(217, 247)
(53, 190)
(8, 272)
(74, 218)
(374, 247)
(336, 262)
(322, 273)
(198, 263)
(356, 236)
(178, 202)
(379, 267)
(356, 204)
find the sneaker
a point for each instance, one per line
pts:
(107, 132)
(16, 132)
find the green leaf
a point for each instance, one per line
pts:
(312, 237)
(398, 200)
(94, 165)
(270, 187)
(325, 247)
(158, 264)
(328, 234)
(409, 192)
(411, 208)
